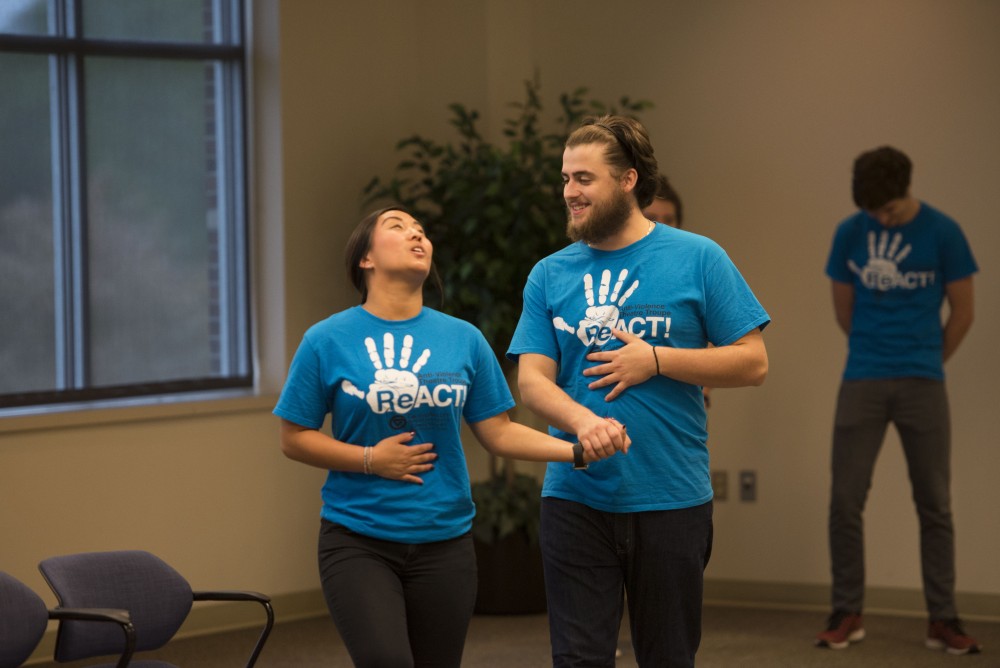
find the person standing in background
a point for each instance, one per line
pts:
(892, 265)
(666, 206)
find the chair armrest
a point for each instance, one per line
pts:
(252, 596)
(231, 595)
(121, 617)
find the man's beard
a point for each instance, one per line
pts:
(605, 220)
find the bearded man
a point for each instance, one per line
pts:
(616, 329)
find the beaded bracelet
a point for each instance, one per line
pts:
(367, 460)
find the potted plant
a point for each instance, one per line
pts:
(505, 533)
(494, 210)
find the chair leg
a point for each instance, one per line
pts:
(263, 634)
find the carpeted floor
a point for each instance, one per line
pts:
(733, 637)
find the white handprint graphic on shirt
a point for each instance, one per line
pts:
(393, 389)
(600, 318)
(882, 270)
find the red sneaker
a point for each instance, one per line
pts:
(842, 629)
(949, 635)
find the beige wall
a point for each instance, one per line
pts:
(760, 107)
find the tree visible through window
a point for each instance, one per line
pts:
(123, 244)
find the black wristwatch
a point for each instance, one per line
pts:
(578, 463)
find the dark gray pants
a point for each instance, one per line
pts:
(919, 409)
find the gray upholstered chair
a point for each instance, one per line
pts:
(157, 597)
(24, 616)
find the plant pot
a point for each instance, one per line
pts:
(510, 576)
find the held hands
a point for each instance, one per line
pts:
(630, 365)
(603, 437)
(391, 458)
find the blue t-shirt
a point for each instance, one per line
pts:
(377, 378)
(899, 276)
(672, 288)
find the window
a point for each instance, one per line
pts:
(123, 224)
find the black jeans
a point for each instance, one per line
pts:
(592, 558)
(398, 605)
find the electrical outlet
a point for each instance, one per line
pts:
(720, 485)
(748, 485)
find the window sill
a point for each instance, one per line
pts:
(146, 409)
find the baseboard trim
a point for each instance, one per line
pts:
(814, 597)
(209, 617)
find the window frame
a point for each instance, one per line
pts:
(66, 53)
